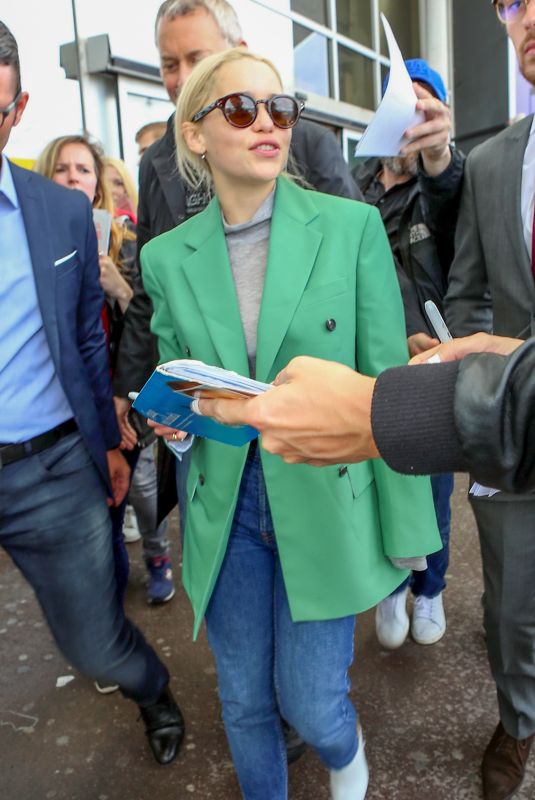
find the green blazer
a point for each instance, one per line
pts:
(329, 259)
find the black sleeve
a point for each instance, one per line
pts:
(495, 418)
(413, 419)
(137, 353)
(440, 200)
(414, 320)
(477, 415)
(319, 159)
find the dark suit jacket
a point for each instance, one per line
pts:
(59, 222)
(491, 286)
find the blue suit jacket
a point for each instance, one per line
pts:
(59, 223)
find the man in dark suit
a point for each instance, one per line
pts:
(59, 456)
(492, 288)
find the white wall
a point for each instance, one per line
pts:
(41, 26)
(54, 106)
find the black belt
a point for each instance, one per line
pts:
(14, 452)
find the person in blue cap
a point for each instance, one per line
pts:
(417, 194)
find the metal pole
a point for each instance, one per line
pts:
(79, 66)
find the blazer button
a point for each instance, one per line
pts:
(188, 351)
(330, 324)
(201, 479)
(342, 471)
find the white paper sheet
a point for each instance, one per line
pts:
(482, 491)
(384, 136)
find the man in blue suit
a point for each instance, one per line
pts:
(59, 456)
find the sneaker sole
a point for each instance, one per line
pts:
(158, 601)
(425, 642)
(131, 537)
(389, 645)
(106, 689)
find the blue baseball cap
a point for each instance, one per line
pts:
(420, 71)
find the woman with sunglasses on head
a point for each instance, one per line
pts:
(279, 558)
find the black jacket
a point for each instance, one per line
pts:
(480, 418)
(425, 237)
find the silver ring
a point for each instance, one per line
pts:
(195, 406)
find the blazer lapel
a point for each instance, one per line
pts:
(39, 234)
(209, 275)
(292, 253)
(511, 165)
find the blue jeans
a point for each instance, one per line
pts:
(431, 581)
(266, 662)
(55, 525)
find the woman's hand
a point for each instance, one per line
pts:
(113, 282)
(167, 433)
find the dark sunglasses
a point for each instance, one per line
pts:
(241, 110)
(5, 112)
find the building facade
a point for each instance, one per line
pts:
(106, 81)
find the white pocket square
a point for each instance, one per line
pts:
(65, 258)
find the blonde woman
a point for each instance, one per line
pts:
(122, 188)
(77, 163)
(279, 558)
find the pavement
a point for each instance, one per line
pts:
(427, 712)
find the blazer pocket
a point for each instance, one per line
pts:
(63, 266)
(64, 259)
(324, 291)
(360, 476)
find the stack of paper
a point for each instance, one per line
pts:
(166, 398)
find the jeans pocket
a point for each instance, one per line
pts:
(67, 456)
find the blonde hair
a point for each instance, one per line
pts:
(122, 169)
(46, 165)
(196, 93)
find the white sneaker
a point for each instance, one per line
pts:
(130, 527)
(428, 619)
(351, 782)
(392, 620)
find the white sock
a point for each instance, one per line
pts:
(351, 782)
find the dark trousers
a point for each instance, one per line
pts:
(506, 537)
(55, 525)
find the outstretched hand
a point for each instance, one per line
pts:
(318, 413)
(457, 349)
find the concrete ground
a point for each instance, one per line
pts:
(427, 712)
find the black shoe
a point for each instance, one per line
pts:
(295, 746)
(164, 726)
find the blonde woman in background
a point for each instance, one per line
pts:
(123, 190)
(77, 163)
